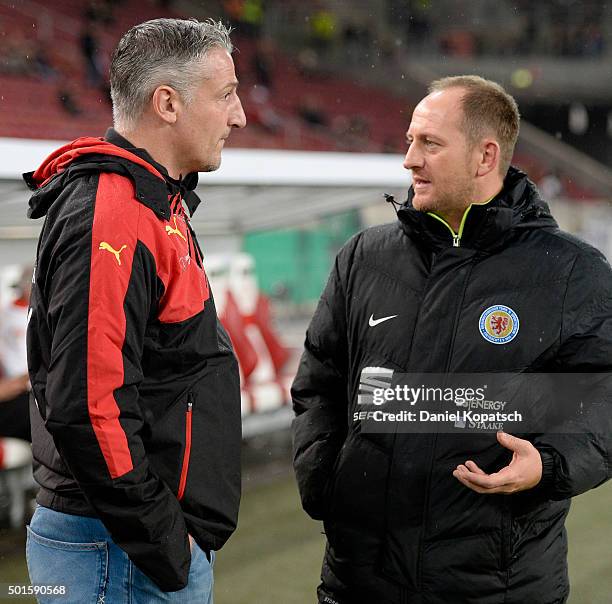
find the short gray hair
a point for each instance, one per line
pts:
(157, 52)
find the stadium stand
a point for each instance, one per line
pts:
(33, 99)
(47, 94)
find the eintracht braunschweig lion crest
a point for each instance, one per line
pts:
(499, 324)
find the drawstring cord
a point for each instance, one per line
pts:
(391, 199)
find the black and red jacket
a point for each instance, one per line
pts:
(136, 396)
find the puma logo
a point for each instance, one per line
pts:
(175, 230)
(109, 248)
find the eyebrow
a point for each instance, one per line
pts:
(427, 135)
(232, 84)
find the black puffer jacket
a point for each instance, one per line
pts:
(400, 527)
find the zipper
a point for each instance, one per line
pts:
(196, 246)
(456, 239)
(187, 452)
(404, 593)
(434, 442)
(456, 236)
(506, 535)
(193, 246)
(180, 211)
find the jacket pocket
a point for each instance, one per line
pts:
(318, 437)
(358, 483)
(212, 493)
(187, 449)
(357, 492)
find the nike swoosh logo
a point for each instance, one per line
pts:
(374, 322)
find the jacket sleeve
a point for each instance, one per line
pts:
(577, 456)
(319, 392)
(101, 289)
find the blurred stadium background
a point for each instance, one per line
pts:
(328, 87)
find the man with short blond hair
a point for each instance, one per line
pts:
(475, 277)
(487, 109)
(135, 410)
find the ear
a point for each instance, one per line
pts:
(166, 102)
(488, 157)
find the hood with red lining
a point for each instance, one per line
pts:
(46, 181)
(61, 158)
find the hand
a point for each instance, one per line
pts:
(522, 473)
(12, 387)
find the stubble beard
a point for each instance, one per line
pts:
(211, 167)
(451, 203)
(454, 203)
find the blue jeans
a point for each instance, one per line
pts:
(78, 552)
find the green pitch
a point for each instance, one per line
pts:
(275, 556)
(276, 553)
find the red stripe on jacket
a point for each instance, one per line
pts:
(120, 220)
(113, 227)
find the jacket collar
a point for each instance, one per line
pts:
(148, 188)
(487, 227)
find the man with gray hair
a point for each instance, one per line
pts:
(135, 387)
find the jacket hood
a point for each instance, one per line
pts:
(48, 180)
(517, 206)
(61, 158)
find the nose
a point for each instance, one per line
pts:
(414, 158)
(237, 116)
